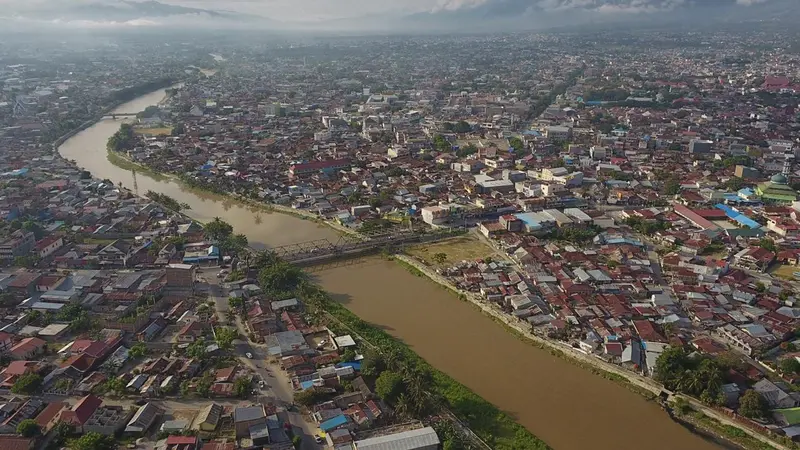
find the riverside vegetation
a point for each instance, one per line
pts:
(405, 381)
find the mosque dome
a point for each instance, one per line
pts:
(779, 178)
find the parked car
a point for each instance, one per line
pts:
(318, 439)
(249, 355)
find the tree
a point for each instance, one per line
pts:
(373, 364)
(310, 397)
(242, 387)
(462, 126)
(768, 244)
(297, 442)
(218, 229)
(235, 302)
(138, 350)
(440, 258)
(27, 384)
(349, 355)
(389, 386)
(115, 385)
(197, 349)
(93, 441)
(281, 277)
(672, 187)
(28, 428)
(789, 366)
(204, 384)
(225, 337)
(752, 405)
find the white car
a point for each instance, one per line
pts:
(249, 355)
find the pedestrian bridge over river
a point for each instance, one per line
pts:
(323, 250)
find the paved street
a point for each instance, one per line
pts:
(277, 384)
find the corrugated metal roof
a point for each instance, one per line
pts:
(407, 440)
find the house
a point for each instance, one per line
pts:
(208, 418)
(11, 442)
(143, 419)
(191, 332)
(20, 243)
(245, 417)
(6, 341)
(754, 258)
(18, 368)
(27, 348)
(420, 439)
(182, 443)
(50, 416)
(115, 253)
(776, 396)
(286, 343)
(80, 413)
(48, 245)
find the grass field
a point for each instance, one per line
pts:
(162, 131)
(786, 272)
(457, 249)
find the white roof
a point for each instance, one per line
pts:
(407, 440)
(344, 341)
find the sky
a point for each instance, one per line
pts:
(318, 10)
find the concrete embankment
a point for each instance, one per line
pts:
(640, 383)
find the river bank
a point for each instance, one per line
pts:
(541, 393)
(118, 159)
(493, 425)
(632, 381)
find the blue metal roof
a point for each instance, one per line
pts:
(334, 423)
(738, 217)
(355, 365)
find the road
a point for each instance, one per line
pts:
(277, 388)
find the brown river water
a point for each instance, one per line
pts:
(564, 405)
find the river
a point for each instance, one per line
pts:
(566, 406)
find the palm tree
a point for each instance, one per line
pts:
(402, 406)
(416, 381)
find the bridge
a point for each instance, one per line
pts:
(115, 115)
(323, 250)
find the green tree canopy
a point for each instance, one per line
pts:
(138, 350)
(753, 405)
(389, 386)
(242, 387)
(28, 428)
(789, 366)
(225, 337)
(27, 384)
(93, 441)
(218, 230)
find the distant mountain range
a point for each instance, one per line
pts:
(487, 15)
(149, 12)
(449, 16)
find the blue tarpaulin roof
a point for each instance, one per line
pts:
(331, 424)
(737, 216)
(353, 364)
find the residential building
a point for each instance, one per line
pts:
(20, 243)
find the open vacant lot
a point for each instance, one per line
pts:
(785, 271)
(457, 249)
(153, 131)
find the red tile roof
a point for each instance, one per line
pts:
(15, 443)
(26, 346)
(49, 412)
(82, 410)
